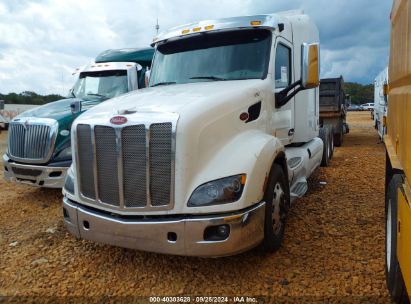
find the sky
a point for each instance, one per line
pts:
(43, 41)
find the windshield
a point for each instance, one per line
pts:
(233, 55)
(107, 84)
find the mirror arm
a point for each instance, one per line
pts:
(282, 97)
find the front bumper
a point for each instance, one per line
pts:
(246, 231)
(34, 175)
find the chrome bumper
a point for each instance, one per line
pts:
(246, 231)
(34, 175)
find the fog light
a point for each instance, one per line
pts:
(217, 233)
(223, 230)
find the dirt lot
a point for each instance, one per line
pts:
(333, 249)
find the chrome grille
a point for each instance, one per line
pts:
(85, 161)
(133, 166)
(107, 168)
(160, 163)
(32, 140)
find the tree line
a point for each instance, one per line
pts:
(359, 94)
(29, 97)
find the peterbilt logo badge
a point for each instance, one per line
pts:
(118, 120)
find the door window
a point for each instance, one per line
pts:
(282, 66)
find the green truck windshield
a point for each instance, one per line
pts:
(107, 84)
(233, 55)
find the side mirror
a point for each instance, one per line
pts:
(147, 76)
(139, 67)
(310, 65)
(75, 106)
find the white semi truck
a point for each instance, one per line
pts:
(380, 102)
(207, 161)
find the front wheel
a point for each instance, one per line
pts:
(394, 278)
(277, 199)
(324, 134)
(331, 142)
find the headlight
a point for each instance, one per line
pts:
(65, 154)
(220, 191)
(69, 182)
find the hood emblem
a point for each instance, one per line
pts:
(26, 124)
(118, 120)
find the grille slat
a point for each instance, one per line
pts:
(32, 142)
(85, 158)
(134, 166)
(107, 165)
(142, 154)
(160, 163)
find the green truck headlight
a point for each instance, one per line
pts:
(220, 191)
(65, 154)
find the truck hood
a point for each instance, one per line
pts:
(175, 98)
(57, 110)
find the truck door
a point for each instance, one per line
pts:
(283, 118)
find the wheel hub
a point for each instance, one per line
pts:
(278, 212)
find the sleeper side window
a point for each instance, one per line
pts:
(282, 66)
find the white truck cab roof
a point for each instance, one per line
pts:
(269, 21)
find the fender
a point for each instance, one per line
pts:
(251, 152)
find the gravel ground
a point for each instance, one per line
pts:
(333, 249)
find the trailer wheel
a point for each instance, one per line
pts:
(331, 140)
(393, 275)
(277, 198)
(325, 136)
(346, 128)
(339, 137)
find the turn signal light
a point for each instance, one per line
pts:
(254, 23)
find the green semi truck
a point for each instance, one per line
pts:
(39, 145)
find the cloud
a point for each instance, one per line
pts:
(43, 41)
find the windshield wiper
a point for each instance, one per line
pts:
(95, 94)
(72, 94)
(164, 83)
(208, 77)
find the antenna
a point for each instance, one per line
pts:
(157, 26)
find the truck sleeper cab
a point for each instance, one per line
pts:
(39, 145)
(206, 161)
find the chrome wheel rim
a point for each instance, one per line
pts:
(388, 237)
(278, 213)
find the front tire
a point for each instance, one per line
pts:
(277, 198)
(324, 134)
(331, 142)
(394, 278)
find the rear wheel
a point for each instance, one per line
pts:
(331, 142)
(394, 278)
(277, 198)
(325, 136)
(338, 137)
